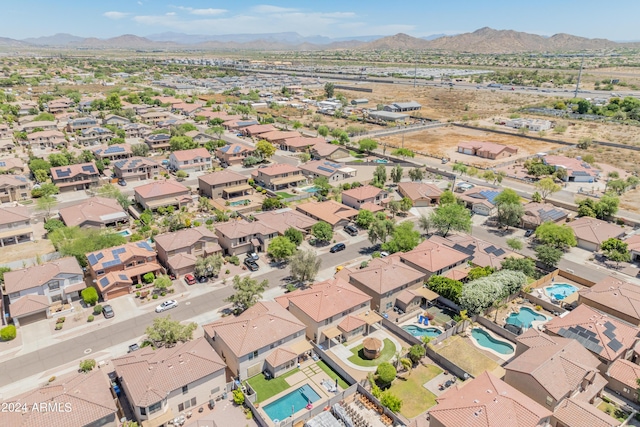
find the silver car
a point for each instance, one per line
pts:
(167, 305)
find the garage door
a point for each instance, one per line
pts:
(117, 293)
(26, 320)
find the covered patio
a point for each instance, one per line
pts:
(237, 191)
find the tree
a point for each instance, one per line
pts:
(329, 89)
(46, 189)
(386, 373)
(113, 102)
(557, 236)
(248, 292)
(89, 296)
(368, 144)
(416, 174)
(162, 282)
(394, 207)
(8, 333)
(265, 148)
(250, 161)
(447, 197)
(209, 266)
(322, 183)
(445, 287)
(46, 203)
(53, 224)
(480, 294)
(380, 230)
(406, 204)
(272, 203)
(489, 175)
(459, 167)
(449, 217)
(140, 150)
(536, 197)
(425, 223)
(58, 159)
(403, 152)
(238, 397)
(416, 352)
(615, 250)
(548, 255)
(365, 218)
(87, 365)
(304, 266)
(546, 187)
(167, 332)
(607, 206)
(510, 214)
(507, 196)
(524, 265)
(478, 272)
(280, 248)
(515, 244)
(379, 176)
(391, 401)
(323, 131)
(404, 238)
(177, 143)
(294, 235)
(322, 231)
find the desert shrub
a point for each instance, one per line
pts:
(8, 333)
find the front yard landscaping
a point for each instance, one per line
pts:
(615, 412)
(386, 354)
(415, 398)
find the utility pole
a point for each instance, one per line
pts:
(575, 94)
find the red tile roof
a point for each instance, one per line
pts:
(626, 372)
(161, 188)
(432, 256)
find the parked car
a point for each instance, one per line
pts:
(253, 256)
(122, 182)
(251, 264)
(384, 254)
(189, 279)
(167, 305)
(338, 247)
(351, 230)
(528, 233)
(202, 279)
(133, 347)
(107, 311)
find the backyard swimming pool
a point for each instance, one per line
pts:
(525, 317)
(483, 339)
(240, 202)
(291, 403)
(311, 190)
(560, 291)
(418, 331)
(125, 233)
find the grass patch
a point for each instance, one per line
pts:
(415, 398)
(332, 374)
(268, 388)
(386, 354)
(284, 194)
(466, 356)
(613, 411)
(26, 202)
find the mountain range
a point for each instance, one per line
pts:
(484, 40)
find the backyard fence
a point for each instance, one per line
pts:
(326, 358)
(551, 308)
(447, 364)
(496, 328)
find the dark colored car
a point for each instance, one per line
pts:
(338, 247)
(528, 233)
(251, 264)
(189, 279)
(351, 230)
(133, 347)
(122, 183)
(107, 311)
(203, 279)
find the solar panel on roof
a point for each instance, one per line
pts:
(322, 168)
(490, 249)
(3, 164)
(144, 245)
(610, 334)
(236, 149)
(499, 252)
(608, 325)
(99, 256)
(88, 168)
(119, 251)
(615, 345)
(104, 282)
(92, 259)
(112, 263)
(123, 277)
(463, 249)
(63, 173)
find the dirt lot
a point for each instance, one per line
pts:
(26, 251)
(630, 200)
(443, 142)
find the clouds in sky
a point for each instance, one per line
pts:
(115, 15)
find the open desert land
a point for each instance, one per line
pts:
(630, 200)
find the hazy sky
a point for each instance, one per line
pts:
(616, 20)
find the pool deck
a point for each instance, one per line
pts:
(539, 292)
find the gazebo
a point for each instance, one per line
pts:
(371, 348)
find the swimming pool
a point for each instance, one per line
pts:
(311, 190)
(560, 291)
(483, 339)
(291, 403)
(382, 161)
(125, 233)
(240, 202)
(525, 317)
(418, 331)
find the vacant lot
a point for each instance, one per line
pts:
(26, 251)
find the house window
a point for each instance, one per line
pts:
(389, 305)
(215, 390)
(14, 295)
(155, 407)
(185, 389)
(100, 272)
(54, 285)
(56, 298)
(253, 355)
(549, 400)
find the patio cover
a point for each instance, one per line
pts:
(426, 293)
(236, 188)
(332, 332)
(347, 170)
(288, 179)
(159, 421)
(16, 233)
(569, 299)
(370, 317)
(301, 347)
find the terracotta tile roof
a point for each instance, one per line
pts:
(325, 299)
(537, 213)
(261, 325)
(38, 275)
(371, 207)
(279, 356)
(351, 323)
(278, 169)
(55, 135)
(10, 215)
(633, 243)
(12, 162)
(611, 336)
(594, 230)
(532, 338)
(184, 155)
(419, 190)
(626, 372)
(258, 129)
(560, 369)
(276, 135)
(235, 148)
(243, 228)
(487, 401)
(134, 163)
(161, 188)
(222, 177)
(95, 210)
(181, 260)
(67, 172)
(458, 273)
(150, 375)
(616, 294)
(28, 304)
(573, 412)
(184, 238)
(301, 141)
(329, 211)
(119, 255)
(87, 395)
(112, 280)
(284, 218)
(364, 192)
(482, 253)
(574, 166)
(432, 257)
(324, 149)
(384, 275)
(481, 147)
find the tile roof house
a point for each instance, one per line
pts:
(225, 184)
(96, 212)
(591, 232)
(420, 193)
(178, 251)
(331, 309)
(480, 200)
(113, 152)
(614, 296)
(43, 124)
(487, 401)
(136, 130)
(161, 384)
(195, 160)
(264, 337)
(115, 269)
(15, 225)
(279, 176)
(487, 150)
(325, 150)
(300, 143)
(6, 145)
(95, 136)
(234, 153)
(35, 290)
(577, 169)
(199, 137)
(13, 187)
(623, 376)
(330, 170)
(162, 193)
(157, 141)
(12, 165)
(80, 176)
(538, 213)
(606, 337)
(574, 412)
(46, 139)
(482, 253)
(282, 219)
(137, 169)
(432, 258)
(113, 119)
(76, 400)
(633, 245)
(256, 130)
(81, 123)
(279, 137)
(362, 197)
(330, 211)
(241, 236)
(153, 117)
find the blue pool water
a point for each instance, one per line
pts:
(125, 233)
(311, 190)
(483, 338)
(240, 202)
(418, 331)
(292, 402)
(560, 291)
(525, 317)
(382, 161)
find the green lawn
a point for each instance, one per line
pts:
(386, 354)
(284, 194)
(613, 411)
(415, 398)
(333, 375)
(267, 388)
